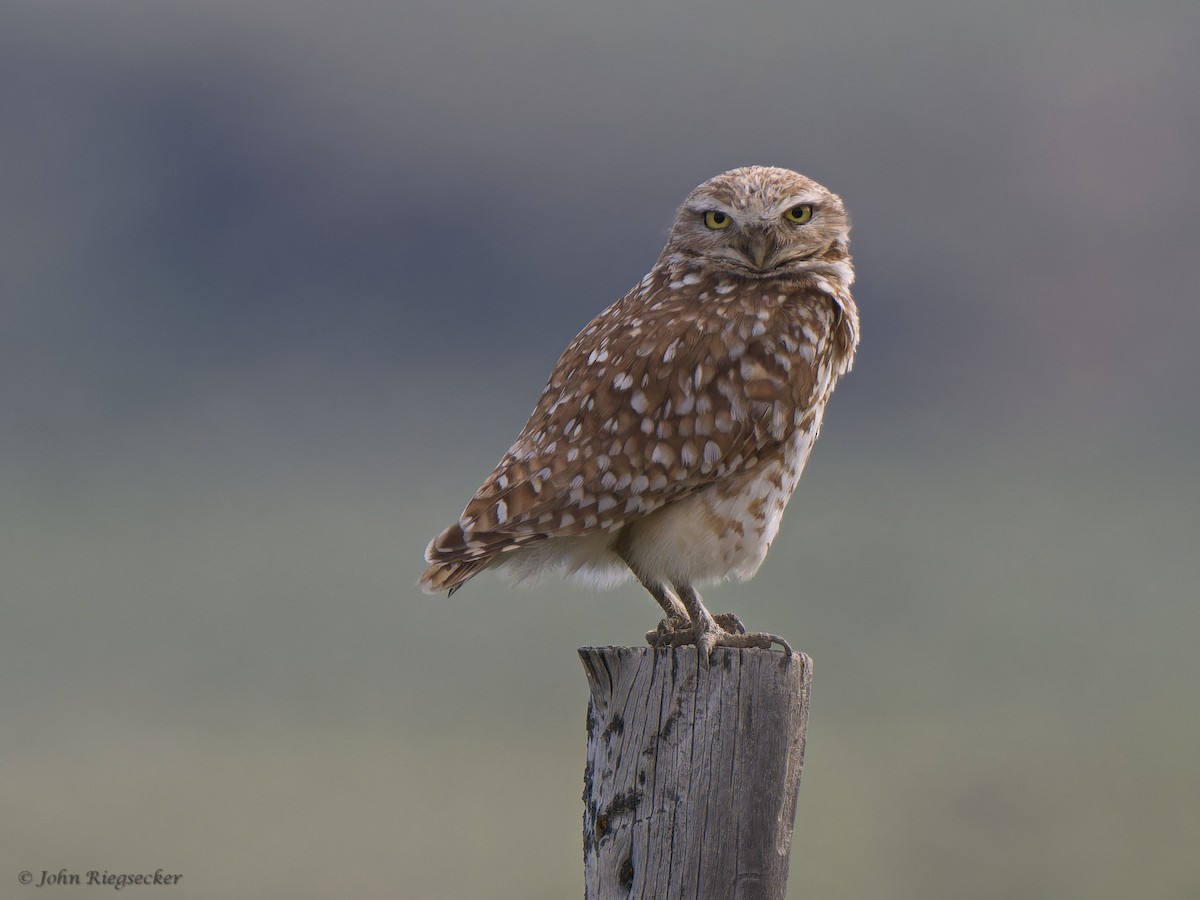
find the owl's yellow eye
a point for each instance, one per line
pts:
(799, 214)
(716, 219)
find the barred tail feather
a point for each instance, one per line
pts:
(451, 562)
(455, 557)
(450, 576)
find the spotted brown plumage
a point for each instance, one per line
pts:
(675, 425)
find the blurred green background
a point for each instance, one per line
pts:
(279, 283)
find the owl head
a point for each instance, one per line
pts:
(761, 221)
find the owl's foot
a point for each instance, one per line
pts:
(708, 632)
(673, 625)
(730, 622)
(676, 624)
(707, 639)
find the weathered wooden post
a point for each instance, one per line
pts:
(692, 772)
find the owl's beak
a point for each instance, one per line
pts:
(758, 246)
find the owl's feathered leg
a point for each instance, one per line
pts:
(669, 603)
(688, 622)
(707, 634)
(677, 617)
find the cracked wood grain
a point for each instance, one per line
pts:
(692, 771)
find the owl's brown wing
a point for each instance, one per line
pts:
(645, 406)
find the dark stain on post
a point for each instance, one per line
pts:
(668, 724)
(615, 725)
(624, 803)
(625, 873)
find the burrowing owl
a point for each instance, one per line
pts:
(675, 426)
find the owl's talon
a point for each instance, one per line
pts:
(658, 638)
(667, 627)
(759, 640)
(775, 639)
(730, 622)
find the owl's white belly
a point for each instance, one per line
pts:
(722, 531)
(725, 530)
